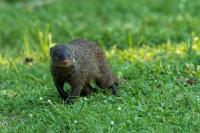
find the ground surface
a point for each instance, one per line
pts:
(153, 45)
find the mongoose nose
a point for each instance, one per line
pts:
(65, 62)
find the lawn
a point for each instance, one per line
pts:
(153, 45)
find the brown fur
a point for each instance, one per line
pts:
(88, 63)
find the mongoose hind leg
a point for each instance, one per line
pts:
(115, 80)
(114, 89)
(109, 84)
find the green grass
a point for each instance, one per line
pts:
(153, 45)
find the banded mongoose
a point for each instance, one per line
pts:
(78, 63)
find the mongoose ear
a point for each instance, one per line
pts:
(51, 50)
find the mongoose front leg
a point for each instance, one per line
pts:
(60, 87)
(75, 92)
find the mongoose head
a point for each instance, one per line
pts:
(61, 56)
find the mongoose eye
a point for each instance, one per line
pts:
(55, 58)
(68, 55)
(61, 57)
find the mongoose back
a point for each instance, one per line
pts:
(77, 63)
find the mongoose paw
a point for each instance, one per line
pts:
(71, 99)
